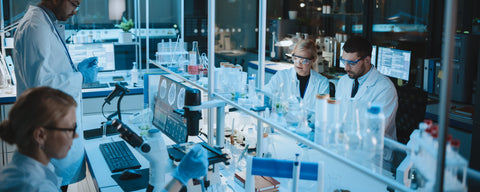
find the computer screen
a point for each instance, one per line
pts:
(103, 51)
(373, 58)
(169, 104)
(394, 62)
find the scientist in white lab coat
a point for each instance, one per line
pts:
(365, 84)
(302, 80)
(41, 58)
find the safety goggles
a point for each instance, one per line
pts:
(351, 63)
(73, 130)
(76, 5)
(300, 59)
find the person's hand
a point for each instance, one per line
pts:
(88, 68)
(193, 165)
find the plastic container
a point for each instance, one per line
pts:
(134, 74)
(321, 121)
(374, 134)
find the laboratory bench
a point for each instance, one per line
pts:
(336, 175)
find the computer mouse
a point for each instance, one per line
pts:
(129, 174)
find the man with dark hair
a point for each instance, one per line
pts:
(365, 84)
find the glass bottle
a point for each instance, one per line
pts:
(134, 74)
(194, 63)
(333, 126)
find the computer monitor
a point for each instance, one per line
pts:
(394, 62)
(168, 114)
(103, 51)
(373, 58)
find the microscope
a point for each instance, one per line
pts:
(153, 149)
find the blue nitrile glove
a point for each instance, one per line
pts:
(193, 165)
(88, 68)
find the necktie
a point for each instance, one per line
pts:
(355, 88)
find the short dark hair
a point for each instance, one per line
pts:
(358, 44)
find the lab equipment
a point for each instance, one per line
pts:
(134, 74)
(394, 62)
(149, 149)
(118, 156)
(321, 121)
(178, 151)
(168, 113)
(193, 165)
(7, 73)
(183, 103)
(194, 62)
(334, 135)
(373, 136)
(351, 132)
(418, 169)
(251, 138)
(193, 97)
(172, 55)
(119, 90)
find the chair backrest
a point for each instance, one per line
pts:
(412, 104)
(283, 169)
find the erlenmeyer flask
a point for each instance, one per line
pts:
(351, 128)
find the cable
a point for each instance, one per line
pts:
(103, 113)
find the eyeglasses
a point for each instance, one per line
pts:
(300, 59)
(73, 130)
(351, 63)
(76, 5)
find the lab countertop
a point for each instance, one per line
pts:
(8, 94)
(336, 175)
(456, 120)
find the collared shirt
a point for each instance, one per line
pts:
(363, 78)
(26, 174)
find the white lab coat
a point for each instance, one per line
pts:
(283, 80)
(377, 89)
(41, 59)
(26, 174)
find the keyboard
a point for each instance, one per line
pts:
(94, 85)
(118, 156)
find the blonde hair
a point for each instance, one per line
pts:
(36, 107)
(309, 46)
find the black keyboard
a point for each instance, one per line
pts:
(118, 156)
(94, 85)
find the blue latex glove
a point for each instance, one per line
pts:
(193, 165)
(88, 68)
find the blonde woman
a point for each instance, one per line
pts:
(302, 80)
